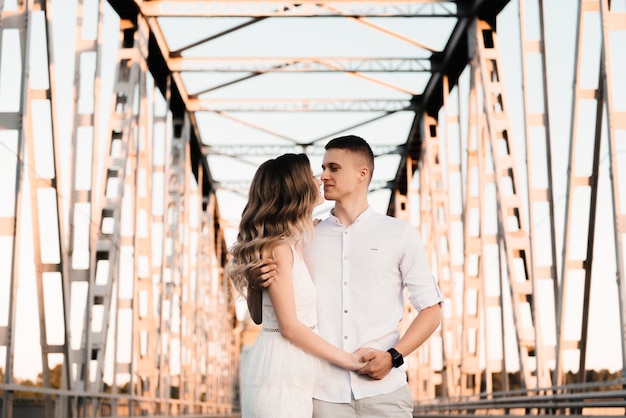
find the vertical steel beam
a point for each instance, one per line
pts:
(199, 281)
(222, 357)
(201, 261)
(425, 376)
(472, 341)
(122, 302)
(43, 163)
(164, 133)
(405, 206)
(13, 21)
(187, 393)
(489, 298)
(614, 25)
(145, 322)
(134, 280)
(452, 345)
(173, 267)
(540, 190)
(84, 172)
(435, 172)
(581, 202)
(209, 270)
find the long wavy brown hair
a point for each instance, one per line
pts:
(280, 206)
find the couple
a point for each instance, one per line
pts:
(330, 296)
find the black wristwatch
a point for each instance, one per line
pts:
(396, 358)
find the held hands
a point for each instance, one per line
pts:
(358, 361)
(378, 364)
(263, 276)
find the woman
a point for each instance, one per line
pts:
(280, 370)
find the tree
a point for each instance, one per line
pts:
(56, 378)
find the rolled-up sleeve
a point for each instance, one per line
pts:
(421, 284)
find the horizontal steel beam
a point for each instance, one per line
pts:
(568, 397)
(299, 64)
(241, 150)
(299, 105)
(302, 8)
(243, 186)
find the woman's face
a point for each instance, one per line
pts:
(320, 196)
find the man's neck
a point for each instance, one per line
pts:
(347, 212)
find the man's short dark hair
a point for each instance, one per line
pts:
(354, 144)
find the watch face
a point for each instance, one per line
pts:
(396, 358)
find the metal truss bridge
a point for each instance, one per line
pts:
(130, 129)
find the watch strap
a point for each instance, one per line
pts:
(396, 358)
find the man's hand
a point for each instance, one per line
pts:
(378, 364)
(263, 276)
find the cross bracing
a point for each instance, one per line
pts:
(298, 105)
(123, 195)
(235, 150)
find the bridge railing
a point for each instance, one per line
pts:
(31, 404)
(592, 398)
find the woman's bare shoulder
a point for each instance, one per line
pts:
(281, 253)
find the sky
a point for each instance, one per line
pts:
(604, 333)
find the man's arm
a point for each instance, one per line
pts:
(259, 278)
(422, 327)
(423, 291)
(255, 304)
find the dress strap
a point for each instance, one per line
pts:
(296, 254)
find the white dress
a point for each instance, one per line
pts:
(278, 377)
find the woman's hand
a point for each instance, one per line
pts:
(358, 357)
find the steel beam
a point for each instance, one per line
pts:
(299, 64)
(512, 224)
(299, 105)
(581, 202)
(613, 23)
(11, 223)
(84, 189)
(306, 8)
(543, 259)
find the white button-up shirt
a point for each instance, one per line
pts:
(360, 272)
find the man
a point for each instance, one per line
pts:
(361, 261)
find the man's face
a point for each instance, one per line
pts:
(343, 174)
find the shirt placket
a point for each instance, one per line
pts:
(348, 337)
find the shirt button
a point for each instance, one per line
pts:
(345, 257)
(345, 311)
(345, 283)
(345, 338)
(345, 232)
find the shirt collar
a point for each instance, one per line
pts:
(364, 216)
